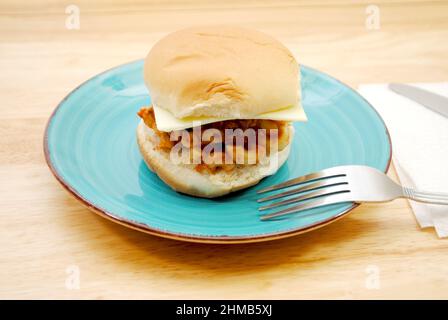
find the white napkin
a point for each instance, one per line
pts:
(419, 146)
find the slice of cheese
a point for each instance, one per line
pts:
(165, 120)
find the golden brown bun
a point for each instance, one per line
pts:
(184, 178)
(221, 71)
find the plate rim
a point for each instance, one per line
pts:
(185, 236)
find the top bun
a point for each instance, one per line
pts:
(221, 71)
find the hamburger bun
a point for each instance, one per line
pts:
(221, 71)
(184, 178)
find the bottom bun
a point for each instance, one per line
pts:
(184, 178)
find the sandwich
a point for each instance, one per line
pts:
(223, 99)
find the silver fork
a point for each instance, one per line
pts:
(340, 184)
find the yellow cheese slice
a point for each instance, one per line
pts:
(165, 121)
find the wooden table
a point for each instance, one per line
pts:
(48, 238)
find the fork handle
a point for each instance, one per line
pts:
(423, 196)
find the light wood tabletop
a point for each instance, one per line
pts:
(53, 247)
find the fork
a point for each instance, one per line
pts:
(352, 183)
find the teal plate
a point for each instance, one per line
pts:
(90, 146)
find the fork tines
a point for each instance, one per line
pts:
(311, 187)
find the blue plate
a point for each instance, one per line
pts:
(90, 146)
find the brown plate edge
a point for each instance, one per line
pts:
(187, 237)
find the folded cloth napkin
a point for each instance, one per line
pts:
(420, 146)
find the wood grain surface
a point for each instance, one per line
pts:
(47, 237)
